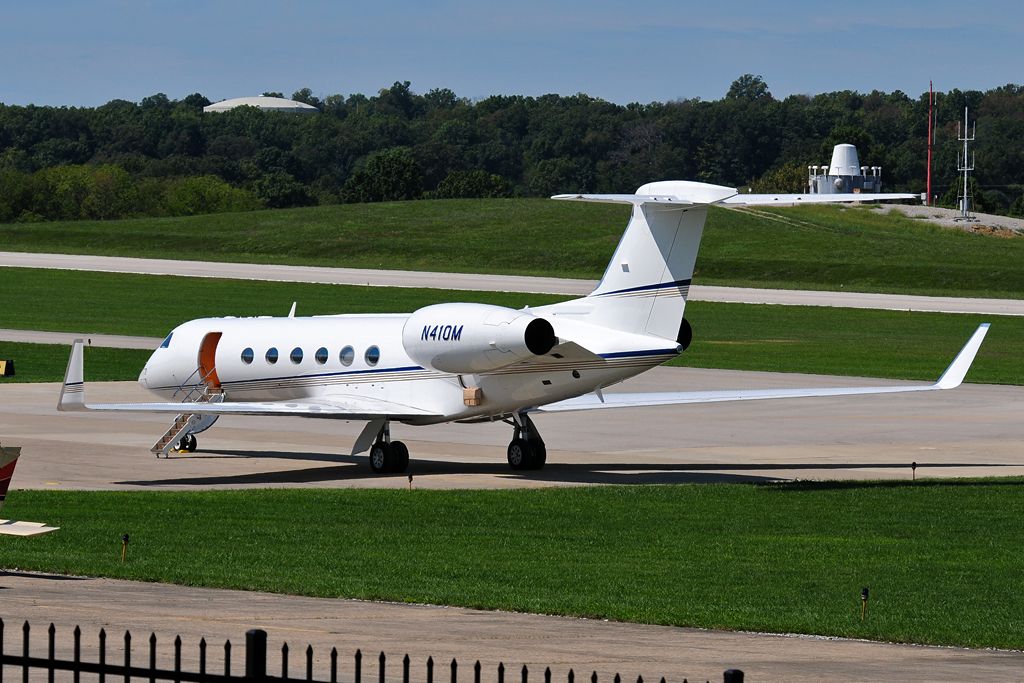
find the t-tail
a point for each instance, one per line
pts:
(645, 286)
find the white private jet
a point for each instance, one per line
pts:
(468, 362)
(8, 461)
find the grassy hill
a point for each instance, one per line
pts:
(821, 247)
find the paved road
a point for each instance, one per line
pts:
(445, 632)
(510, 283)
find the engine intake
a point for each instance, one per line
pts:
(469, 338)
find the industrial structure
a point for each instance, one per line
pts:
(844, 174)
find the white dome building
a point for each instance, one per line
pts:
(264, 103)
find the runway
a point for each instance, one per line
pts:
(508, 283)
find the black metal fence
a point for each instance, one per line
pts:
(32, 668)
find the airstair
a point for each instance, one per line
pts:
(189, 424)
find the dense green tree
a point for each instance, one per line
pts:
(389, 175)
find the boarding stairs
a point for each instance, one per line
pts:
(192, 392)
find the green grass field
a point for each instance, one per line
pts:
(812, 247)
(816, 340)
(942, 559)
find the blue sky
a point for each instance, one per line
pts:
(57, 52)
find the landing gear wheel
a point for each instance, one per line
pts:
(188, 443)
(400, 455)
(520, 454)
(540, 454)
(381, 458)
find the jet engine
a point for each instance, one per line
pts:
(469, 338)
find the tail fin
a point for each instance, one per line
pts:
(72, 392)
(8, 461)
(645, 286)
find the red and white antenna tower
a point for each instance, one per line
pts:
(931, 142)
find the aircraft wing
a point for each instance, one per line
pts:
(950, 379)
(339, 407)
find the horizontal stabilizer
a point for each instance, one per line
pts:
(950, 379)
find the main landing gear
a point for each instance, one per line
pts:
(526, 451)
(387, 456)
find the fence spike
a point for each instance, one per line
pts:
(284, 661)
(430, 670)
(501, 672)
(455, 671)
(177, 659)
(152, 657)
(380, 673)
(526, 673)
(227, 657)
(547, 675)
(572, 676)
(359, 666)
(51, 651)
(334, 665)
(618, 678)
(405, 668)
(103, 655)
(476, 672)
(309, 662)
(127, 656)
(78, 651)
(593, 677)
(202, 659)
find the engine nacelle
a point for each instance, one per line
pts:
(469, 338)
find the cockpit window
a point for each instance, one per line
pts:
(166, 342)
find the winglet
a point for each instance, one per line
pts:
(72, 392)
(954, 374)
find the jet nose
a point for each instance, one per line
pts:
(142, 376)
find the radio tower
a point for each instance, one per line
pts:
(965, 166)
(931, 142)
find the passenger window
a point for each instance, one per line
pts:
(321, 355)
(166, 342)
(347, 355)
(296, 355)
(372, 355)
(247, 356)
(271, 355)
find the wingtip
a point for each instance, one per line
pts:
(957, 370)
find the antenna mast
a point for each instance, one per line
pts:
(965, 165)
(931, 142)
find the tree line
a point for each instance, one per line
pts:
(166, 157)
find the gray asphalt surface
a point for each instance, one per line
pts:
(443, 633)
(477, 282)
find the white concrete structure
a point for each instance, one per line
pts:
(264, 103)
(844, 174)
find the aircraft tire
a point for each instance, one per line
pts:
(191, 443)
(520, 454)
(381, 458)
(400, 457)
(539, 454)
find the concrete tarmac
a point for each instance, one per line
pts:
(974, 430)
(507, 283)
(449, 632)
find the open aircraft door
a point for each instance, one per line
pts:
(208, 361)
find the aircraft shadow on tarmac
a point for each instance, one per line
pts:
(354, 468)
